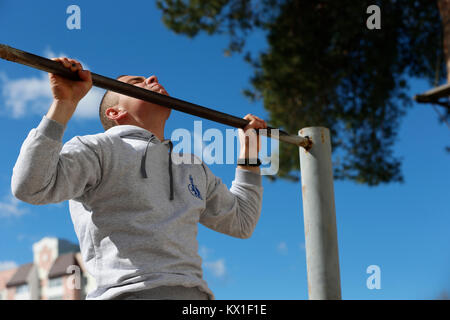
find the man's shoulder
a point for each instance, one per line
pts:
(96, 141)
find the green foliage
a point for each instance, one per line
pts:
(323, 67)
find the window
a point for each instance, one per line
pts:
(22, 289)
(56, 282)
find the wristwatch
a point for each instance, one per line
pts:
(249, 162)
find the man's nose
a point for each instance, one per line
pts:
(152, 79)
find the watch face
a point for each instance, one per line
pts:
(249, 162)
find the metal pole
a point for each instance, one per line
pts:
(48, 65)
(322, 258)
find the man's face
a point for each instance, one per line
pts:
(150, 83)
(140, 108)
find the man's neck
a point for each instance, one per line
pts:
(155, 127)
(159, 133)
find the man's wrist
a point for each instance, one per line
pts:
(61, 111)
(249, 162)
(249, 168)
(252, 168)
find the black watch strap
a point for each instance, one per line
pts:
(249, 162)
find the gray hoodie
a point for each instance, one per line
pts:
(134, 211)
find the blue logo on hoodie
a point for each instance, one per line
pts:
(193, 189)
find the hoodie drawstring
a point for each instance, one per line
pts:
(144, 170)
(144, 158)
(170, 169)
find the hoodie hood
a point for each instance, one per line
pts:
(138, 133)
(131, 131)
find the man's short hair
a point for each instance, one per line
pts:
(110, 99)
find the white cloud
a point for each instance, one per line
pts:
(204, 252)
(28, 237)
(88, 106)
(282, 248)
(6, 265)
(32, 95)
(49, 54)
(217, 268)
(26, 95)
(11, 207)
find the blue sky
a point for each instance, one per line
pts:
(402, 228)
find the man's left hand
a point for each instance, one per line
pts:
(250, 139)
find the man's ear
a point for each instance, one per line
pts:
(116, 113)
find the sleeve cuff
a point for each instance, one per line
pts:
(248, 177)
(51, 129)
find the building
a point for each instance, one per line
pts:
(56, 273)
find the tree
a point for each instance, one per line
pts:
(324, 67)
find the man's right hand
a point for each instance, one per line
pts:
(67, 93)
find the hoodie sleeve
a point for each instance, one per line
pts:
(48, 172)
(234, 212)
